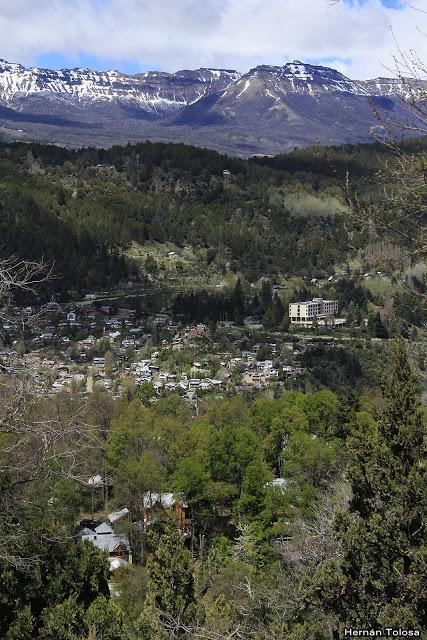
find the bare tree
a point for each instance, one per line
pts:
(40, 440)
(397, 217)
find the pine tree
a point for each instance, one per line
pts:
(238, 302)
(380, 580)
(278, 309)
(383, 536)
(376, 326)
(171, 601)
(266, 294)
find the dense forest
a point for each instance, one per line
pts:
(295, 510)
(337, 541)
(79, 210)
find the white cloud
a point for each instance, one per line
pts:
(174, 34)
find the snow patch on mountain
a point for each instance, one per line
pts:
(149, 90)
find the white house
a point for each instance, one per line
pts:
(105, 539)
(304, 313)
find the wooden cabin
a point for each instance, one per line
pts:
(154, 504)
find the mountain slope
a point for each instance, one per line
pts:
(267, 110)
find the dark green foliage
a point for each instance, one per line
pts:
(238, 302)
(350, 291)
(376, 326)
(81, 219)
(105, 619)
(171, 601)
(202, 305)
(339, 368)
(382, 579)
(50, 594)
(409, 307)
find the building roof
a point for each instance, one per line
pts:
(85, 532)
(103, 528)
(315, 300)
(96, 481)
(118, 515)
(108, 542)
(279, 483)
(164, 500)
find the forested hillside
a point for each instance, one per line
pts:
(180, 459)
(80, 210)
(305, 513)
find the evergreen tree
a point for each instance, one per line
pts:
(171, 602)
(238, 302)
(382, 581)
(266, 294)
(285, 322)
(278, 309)
(376, 326)
(269, 319)
(48, 598)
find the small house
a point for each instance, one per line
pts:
(105, 539)
(155, 503)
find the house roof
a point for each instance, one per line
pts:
(118, 515)
(108, 542)
(96, 481)
(85, 532)
(165, 500)
(103, 528)
(279, 483)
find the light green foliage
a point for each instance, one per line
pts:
(262, 412)
(229, 452)
(232, 412)
(215, 461)
(251, 499)
(380, 289)
(135, 477)
(308, 205)
(126, 438)
(308, 459)
(145, 392)
(192, 480)
(290, 420)
(321, 409)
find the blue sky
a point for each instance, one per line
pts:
(391, 4)
(61, 61)
(355, 36)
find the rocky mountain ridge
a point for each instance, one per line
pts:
(266, 110)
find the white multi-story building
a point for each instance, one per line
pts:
(306, 312)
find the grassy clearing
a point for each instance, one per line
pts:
(380, 288)
(185, 266)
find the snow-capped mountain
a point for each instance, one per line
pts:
(266, 110)
(154, 91)
(299, 78)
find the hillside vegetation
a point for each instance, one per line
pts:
(82, 210)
